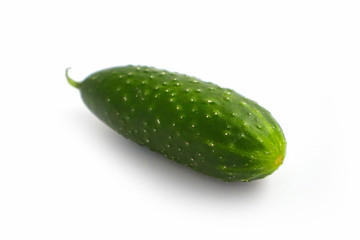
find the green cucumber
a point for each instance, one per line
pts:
(213, 130)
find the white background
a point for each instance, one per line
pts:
(65, 175)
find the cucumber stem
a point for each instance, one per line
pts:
(71, 81)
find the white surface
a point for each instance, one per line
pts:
(65, 175)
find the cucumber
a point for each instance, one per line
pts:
(213, 130)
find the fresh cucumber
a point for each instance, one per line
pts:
(213, 130)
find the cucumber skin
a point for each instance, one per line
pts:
(212, 130)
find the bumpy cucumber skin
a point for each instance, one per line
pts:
(213, 130)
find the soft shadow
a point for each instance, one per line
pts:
(153, 167)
